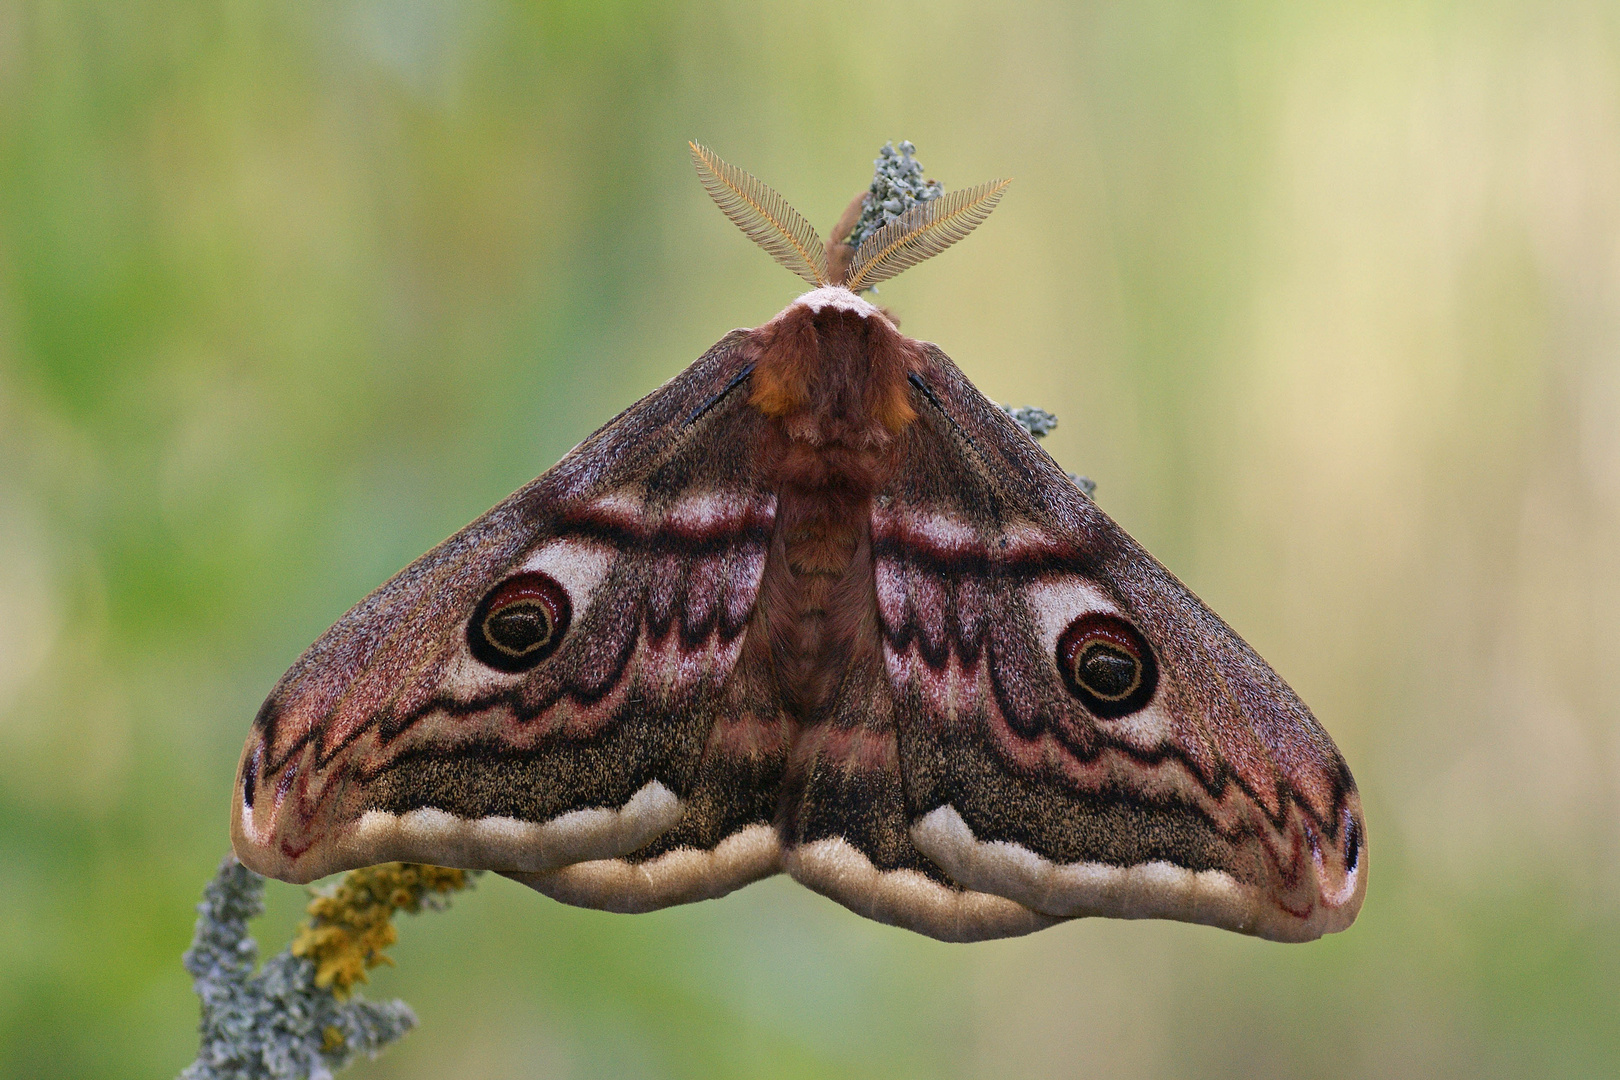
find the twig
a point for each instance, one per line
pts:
(293, 1019)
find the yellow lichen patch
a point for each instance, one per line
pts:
(350, 926)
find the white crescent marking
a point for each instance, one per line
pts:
(1153, 890)
(906, 898)
(682, 876)
(578, 566)
(435, 836)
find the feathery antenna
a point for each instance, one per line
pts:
(921, 233)
(763, 215)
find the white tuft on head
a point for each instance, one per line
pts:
(838, 298)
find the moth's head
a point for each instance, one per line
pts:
(831, 298)
(848, 264)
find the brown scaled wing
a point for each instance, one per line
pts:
(387, 741)
(1221, 801)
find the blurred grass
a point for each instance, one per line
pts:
(1327, 298)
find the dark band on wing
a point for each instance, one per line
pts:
(485, 777)
(963, 561)
(1064, 824)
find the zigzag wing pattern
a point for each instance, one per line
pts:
(622, 709)
(1205, 792)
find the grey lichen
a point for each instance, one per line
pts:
(897, 186)
(276, 1024)
(1039, 423)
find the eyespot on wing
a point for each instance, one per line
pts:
(519, 622)
(1107, 664)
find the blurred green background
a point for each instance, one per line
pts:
(1326, 297)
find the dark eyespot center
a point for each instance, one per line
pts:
(519, 628)
(1107, 670)
(519, 622)
(1107, 664)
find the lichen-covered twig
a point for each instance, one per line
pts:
(350, 926)
(897, 186)
(1038, 422)
(290, 1020)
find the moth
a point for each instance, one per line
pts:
(815, 605)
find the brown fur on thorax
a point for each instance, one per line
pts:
(835, 384)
